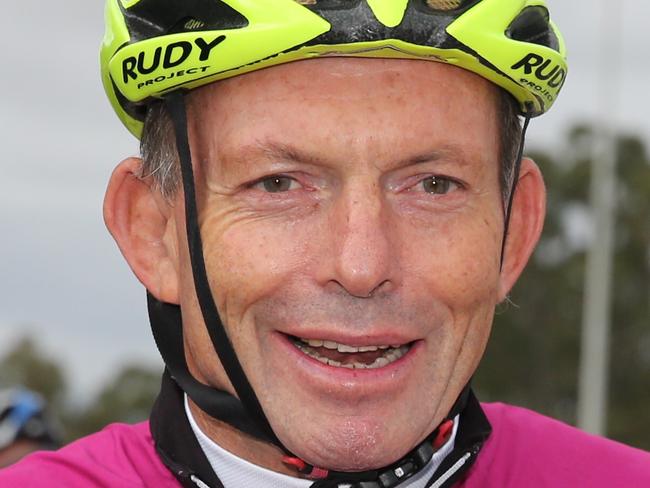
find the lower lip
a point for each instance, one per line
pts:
(311, 369)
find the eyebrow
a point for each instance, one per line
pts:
(286, 152)
(450, 152)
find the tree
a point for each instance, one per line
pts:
(127, 398)
(26, 365)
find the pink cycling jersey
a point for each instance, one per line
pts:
(525, 450)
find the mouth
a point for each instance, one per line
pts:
(351, 357)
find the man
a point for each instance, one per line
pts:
(324, 243)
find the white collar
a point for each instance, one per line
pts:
(235, 472)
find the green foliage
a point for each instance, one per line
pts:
(28, 366)
(532, 358)
(128, 398)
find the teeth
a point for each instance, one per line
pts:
(390, 354)
(379, 362)
(346, 348)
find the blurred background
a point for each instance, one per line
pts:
(73, 322)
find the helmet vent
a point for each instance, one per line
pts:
(444, 5)
(533, 25)
(147, 19)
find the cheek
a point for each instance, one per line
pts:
(456, 257)
(249, 260)
(453, 264)
(246, 261)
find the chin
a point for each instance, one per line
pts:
(352, 446)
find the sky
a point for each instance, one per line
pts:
(63, 280)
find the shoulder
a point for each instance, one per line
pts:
(119, 455)
(529, 449)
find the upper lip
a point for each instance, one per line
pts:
(356, 340)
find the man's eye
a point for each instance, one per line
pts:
(437, 185)
(276, 184)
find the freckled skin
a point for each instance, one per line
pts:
(355, 245)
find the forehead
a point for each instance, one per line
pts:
(360, 100)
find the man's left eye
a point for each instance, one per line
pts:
(277, 184)
(437, 185)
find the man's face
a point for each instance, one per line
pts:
(354, 205)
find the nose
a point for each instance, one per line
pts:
(362, 249)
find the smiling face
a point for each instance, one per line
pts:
(352, 222)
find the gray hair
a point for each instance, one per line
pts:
(160, 157)
(158, 151)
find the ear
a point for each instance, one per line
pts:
(526, 223)
(142, 224)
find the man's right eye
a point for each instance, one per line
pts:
(276, 184)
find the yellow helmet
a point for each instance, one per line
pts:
(154, 47)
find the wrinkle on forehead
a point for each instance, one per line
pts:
(314, 74)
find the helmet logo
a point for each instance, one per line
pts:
(170, 56)
(540, 66)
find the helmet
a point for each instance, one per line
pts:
(22, 416)
(154, 47)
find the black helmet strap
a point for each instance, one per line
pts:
(175, 103)
(513, 187)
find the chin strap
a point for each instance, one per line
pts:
(167, 329)
(397, 473)
(175, 103)
(388, 477)
(513, 187)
